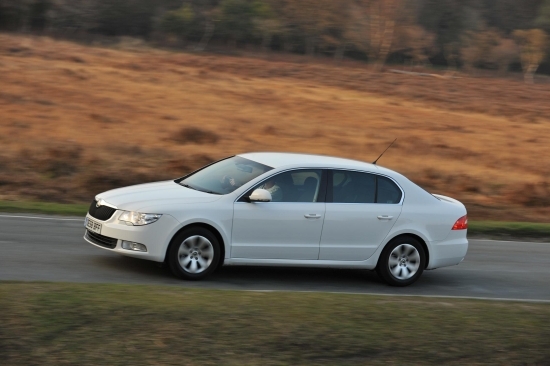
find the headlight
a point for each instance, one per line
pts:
(138, 218)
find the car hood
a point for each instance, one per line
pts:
(134, 198)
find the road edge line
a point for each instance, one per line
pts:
(408, 295)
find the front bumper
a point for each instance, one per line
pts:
(156, 236)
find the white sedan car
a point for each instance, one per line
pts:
(279, 209)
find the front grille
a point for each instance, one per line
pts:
(102, 240)
(102, 212)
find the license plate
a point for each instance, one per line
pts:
(93, 226)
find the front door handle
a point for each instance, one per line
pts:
(312, 216)
(385, 217)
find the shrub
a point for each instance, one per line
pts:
(531, 194)
(54, 161)
(180, 22)
(181, 166)
(195, 135)
(65, 153)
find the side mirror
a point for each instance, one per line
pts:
(260, 195)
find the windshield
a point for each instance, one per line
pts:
(224, 176)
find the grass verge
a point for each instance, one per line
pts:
(68, 209)
(512, 230)
(85, 324)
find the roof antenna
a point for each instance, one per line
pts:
(374, 162)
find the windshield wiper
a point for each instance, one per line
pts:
(188, 186)
(212, 192)
(200, 190)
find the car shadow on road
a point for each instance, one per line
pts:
(127, 269)
(292, 277)
(451, 281)
(121, 269)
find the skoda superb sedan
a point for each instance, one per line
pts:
(279, 209)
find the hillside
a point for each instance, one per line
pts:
(77, 120)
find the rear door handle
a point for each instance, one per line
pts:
(312, 216)
(385, 217)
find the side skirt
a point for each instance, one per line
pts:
(368, 264)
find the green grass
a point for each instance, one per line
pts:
(51, 324)
(68, 209)
(489, 229)
(518, 230)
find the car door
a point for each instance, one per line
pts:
(290, 226)
(360, 211)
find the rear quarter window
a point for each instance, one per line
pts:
(388, 192)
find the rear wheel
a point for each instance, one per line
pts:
(194, 254)
(402, 261)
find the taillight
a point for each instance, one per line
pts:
(461, 224)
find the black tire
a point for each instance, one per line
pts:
(186, 257)
(407, 254)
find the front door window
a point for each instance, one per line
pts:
(294, 186)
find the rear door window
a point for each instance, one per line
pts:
(353, 187)
(358, 187)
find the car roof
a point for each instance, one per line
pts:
(291, 160)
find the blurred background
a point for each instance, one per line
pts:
(98, 94)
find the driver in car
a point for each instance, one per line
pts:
(228, 182)
(272, 187)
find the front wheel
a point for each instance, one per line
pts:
(194, 254)
(402, 261)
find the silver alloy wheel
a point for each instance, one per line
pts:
(404, 261)
(195, 254)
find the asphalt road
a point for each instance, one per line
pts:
(52, 249)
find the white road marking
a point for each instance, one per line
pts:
(510, 241)
(405, 295)
(40, 218)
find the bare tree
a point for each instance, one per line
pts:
(533, 44)
(477, 47)
(74, 17)
(208, 16)
(315, 20)
(415, 42)
(301, 17)
(333, 38)
(372, 27)
(382, 25)
(267, 24)
(451, 52)
(504, 54)
(19, 11)
(209, 27)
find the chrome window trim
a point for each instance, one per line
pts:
(340, 203)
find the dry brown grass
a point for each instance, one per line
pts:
(76, 120)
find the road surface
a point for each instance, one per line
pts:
(48, 248)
